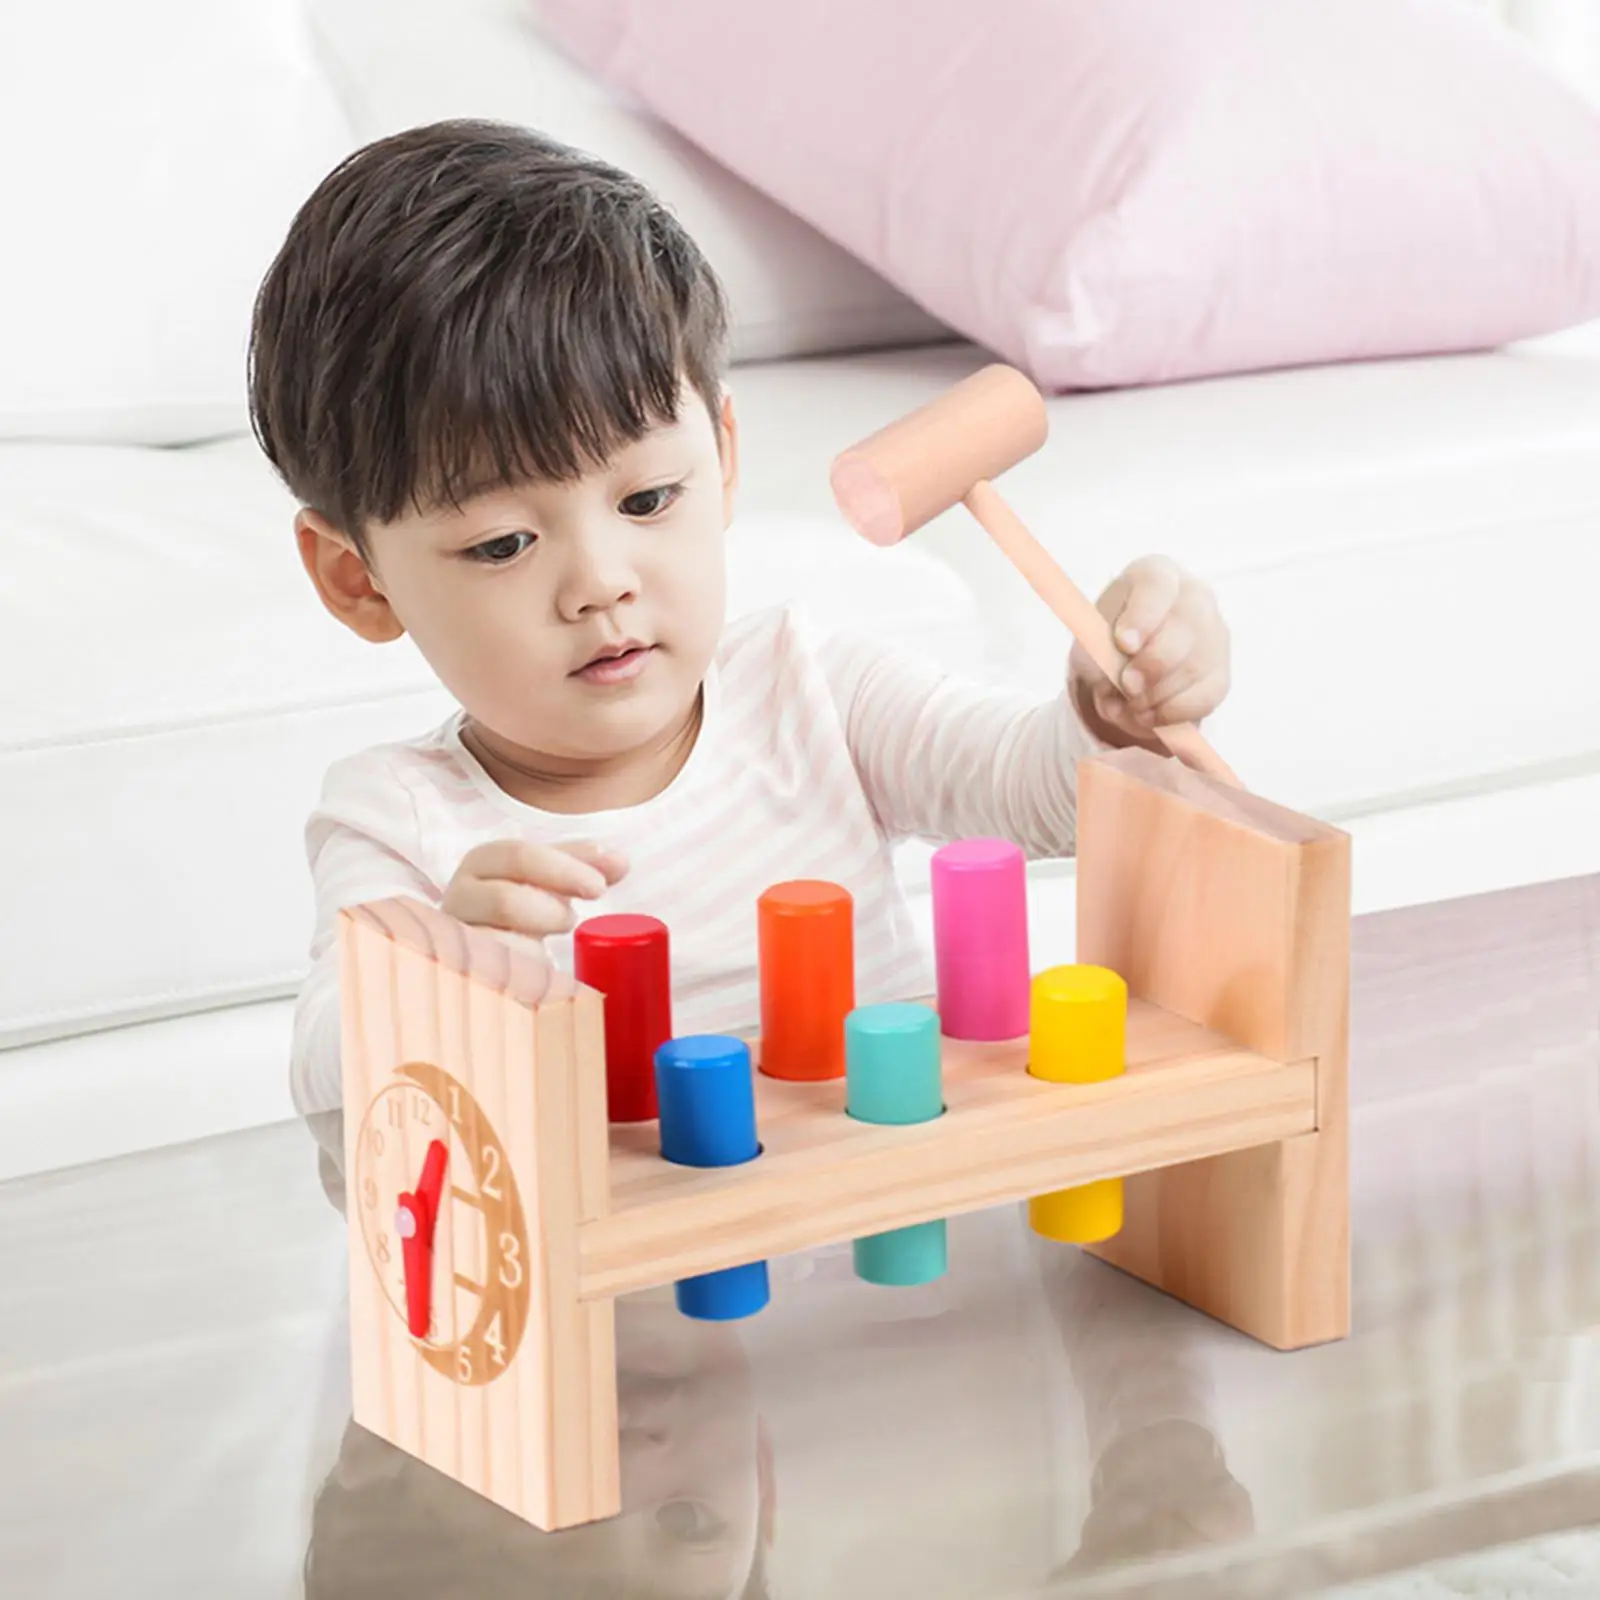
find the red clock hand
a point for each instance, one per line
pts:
(411, 1223)
(414, 1222)
(430, 1186)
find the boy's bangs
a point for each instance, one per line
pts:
(499, 411)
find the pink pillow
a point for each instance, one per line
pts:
(1112, 192)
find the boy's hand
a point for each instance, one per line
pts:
(528, 889)
(1169, 627)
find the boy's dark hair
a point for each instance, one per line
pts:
(468, 305)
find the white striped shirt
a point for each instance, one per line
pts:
(816, 756)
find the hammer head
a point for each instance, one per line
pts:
(910, 471)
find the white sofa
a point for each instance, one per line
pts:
(1409, 554)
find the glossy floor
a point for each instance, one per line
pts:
(174, 1400)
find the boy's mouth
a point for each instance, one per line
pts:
(616, 663)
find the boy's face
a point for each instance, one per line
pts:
(521, 601)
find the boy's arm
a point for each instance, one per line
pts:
(942, 757)
(361, 843)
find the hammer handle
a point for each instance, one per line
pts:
(1082, 620)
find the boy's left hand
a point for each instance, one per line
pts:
(1169, 627)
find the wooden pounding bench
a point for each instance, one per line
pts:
(1227, 915)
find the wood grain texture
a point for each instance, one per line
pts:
(580, 1369)
(469, 952)
(823, 1177)
(519, 1402)
(1235, 914)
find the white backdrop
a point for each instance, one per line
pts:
(1566, 32)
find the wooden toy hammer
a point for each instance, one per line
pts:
(947, 451)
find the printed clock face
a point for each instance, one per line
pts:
(478, 1262)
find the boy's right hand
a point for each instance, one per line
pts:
(528, 889)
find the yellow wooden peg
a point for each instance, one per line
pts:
(1077, 1033)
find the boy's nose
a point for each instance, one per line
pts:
(601, 577)
(607, 596)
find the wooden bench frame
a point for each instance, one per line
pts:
(1228, 916)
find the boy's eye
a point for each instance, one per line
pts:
(651, 502)
(502, 548)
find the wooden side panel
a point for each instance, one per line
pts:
(1233, 913)
(597, 1319)
(513, 1392)
(581, 1403)
(367, 1005)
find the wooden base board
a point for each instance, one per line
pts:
(823, 1177)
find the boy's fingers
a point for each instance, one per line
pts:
(1202, 665)
(515, 907)
(1113, 708)
(1160, 677)
(541, 865)
(1147, 672)
(562, 871)
(1153, 586)
(1193, 703)
(611, 864)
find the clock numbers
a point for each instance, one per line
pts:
(491, 1164)
(421, 1110)
(510, 1260)
(470, 1324)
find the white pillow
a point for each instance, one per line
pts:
(402, 63)
(153, 157)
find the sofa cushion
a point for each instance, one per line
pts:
(155, 154)
(180, 693)
(1132, 191)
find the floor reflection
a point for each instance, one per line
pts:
(697, 1495)
(1037, 1422)
(174, 1394)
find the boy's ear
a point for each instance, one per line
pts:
(343, 580)
(728, 431)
